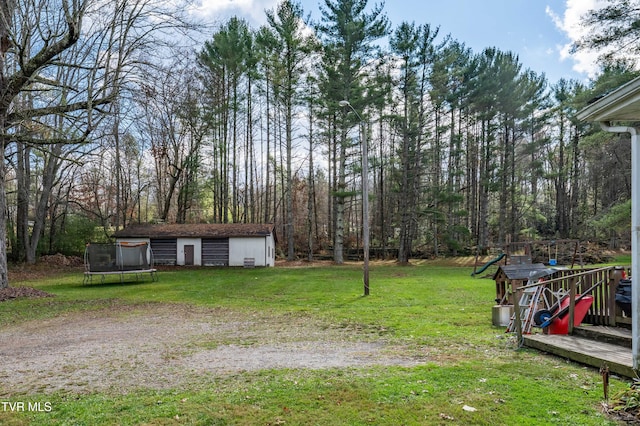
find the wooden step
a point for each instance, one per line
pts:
(615, 335)
(585, 351)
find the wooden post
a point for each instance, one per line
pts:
(612, 287)
(516, 293)
(572, 303)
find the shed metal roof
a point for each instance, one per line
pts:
(199, 230)
(523, 271)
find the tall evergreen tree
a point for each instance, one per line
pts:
(449, 85)
(534, 122)
(484, 87)
(225, 58)
(613, 30)
(414, 48)
(287, 25)
(348, 32)
(268, 47)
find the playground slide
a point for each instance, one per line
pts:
(489, 263)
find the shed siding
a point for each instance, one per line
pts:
(165, 251)
(270, 244)
(242, 248)
(215, 251)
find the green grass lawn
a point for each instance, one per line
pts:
(434, 310)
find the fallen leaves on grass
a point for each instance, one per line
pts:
(10, 293)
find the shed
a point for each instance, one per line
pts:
(222, 244)
(517, 275)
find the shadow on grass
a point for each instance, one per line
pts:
(118, 280)
(113, 283)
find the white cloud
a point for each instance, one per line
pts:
(585, 61)
(252, 10)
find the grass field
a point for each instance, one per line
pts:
(469, 371)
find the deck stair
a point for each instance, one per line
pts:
(591, 345)
(615, 335)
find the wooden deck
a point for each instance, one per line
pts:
(590, 345)
(605, 336)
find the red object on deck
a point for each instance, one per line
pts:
(561, 324)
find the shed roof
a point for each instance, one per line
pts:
(523, 271)
(198, 230)
(622, 104)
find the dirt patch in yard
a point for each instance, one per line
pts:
(166, 346)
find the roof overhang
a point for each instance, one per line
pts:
(623, 104)
(201, 230)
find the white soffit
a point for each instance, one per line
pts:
(623, 104)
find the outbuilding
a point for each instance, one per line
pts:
(515, 276)
(222, 244)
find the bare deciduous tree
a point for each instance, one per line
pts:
(69, 59)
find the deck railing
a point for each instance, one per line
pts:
(601, 283)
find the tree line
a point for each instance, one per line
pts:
(467, 150)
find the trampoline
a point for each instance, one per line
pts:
(118, 259)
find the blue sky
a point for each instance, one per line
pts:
(538, 31)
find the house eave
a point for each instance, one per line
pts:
(623, 104)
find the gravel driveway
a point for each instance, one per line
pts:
(163, 346)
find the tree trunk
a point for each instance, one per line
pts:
(504, 192)
(575, 183)
(234, 153)
(561, 184)
(118, 166)
(23, 178)
(485, 167)
(51, 168)
(267, 202)
(513, 219)
(338, 248)
(291, 252)
(4, 277)
(310, 188)
(381, 192)
(406, 207)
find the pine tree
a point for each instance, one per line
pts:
(613, 30)
(225, 59)
(348, 33)
(287, 26)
